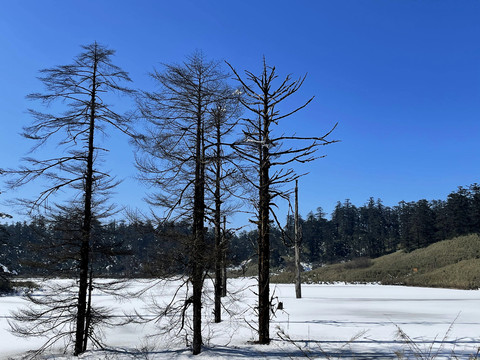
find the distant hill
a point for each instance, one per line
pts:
(451, 263)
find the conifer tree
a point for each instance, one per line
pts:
(174, 158)
(81, 89)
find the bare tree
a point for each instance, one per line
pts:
(222, 180)
(82, 87)
(175, 159)
(262, 147)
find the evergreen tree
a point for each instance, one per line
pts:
(442, 221)
(459, 210)
(372, 228)
(474, 191)
(423, 224)
(345, 220)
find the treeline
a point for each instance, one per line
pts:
(119, 249)
(373, 229)
(142, 249)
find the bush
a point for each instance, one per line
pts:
(358, 263)
(5, 285)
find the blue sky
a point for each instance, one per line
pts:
(402, 79)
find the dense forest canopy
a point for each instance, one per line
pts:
(370, 230)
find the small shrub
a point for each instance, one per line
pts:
(358, 263)
(26, 286)
(5, 286)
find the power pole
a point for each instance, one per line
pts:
(224, 258)
(298, 281)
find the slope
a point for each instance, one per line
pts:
(451, 263)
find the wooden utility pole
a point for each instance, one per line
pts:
(224, 258)
(298, 281)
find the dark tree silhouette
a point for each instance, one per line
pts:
(5, 283)
(262, 147)
(175, 158)
(82, 88)
(222, 181)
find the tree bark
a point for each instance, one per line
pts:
(264, 232)
(218, 231)
(88, 315)
(199, 236)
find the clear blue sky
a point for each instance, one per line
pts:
(402, 79)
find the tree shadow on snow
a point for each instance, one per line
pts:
(308, 349)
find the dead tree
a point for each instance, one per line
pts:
(81, 87)
(262, 147)
(174, 159)
(222, 181)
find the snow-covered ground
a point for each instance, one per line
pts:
(330, 321)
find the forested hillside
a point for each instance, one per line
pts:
(145, 249)
(374, 229)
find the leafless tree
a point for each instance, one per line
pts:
(264, 149)
(222, 180)
(174, 157)
(82, 88)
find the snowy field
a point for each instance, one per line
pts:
(330, 321)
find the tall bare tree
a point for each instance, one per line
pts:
(174, 157)
(222, 179)
(262, 147)
(82, 88)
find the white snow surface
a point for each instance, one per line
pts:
(4, 268)
(328, 322)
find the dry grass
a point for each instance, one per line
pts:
(451, 264)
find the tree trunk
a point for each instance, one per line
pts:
(86, 230)
(298, 281)
(197, 283)
(88, 315)
(198, 237)
(224, 258)
(264, 272)
(218, 228)
(218, 263)
(264, 236)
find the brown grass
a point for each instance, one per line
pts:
(451, 264)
